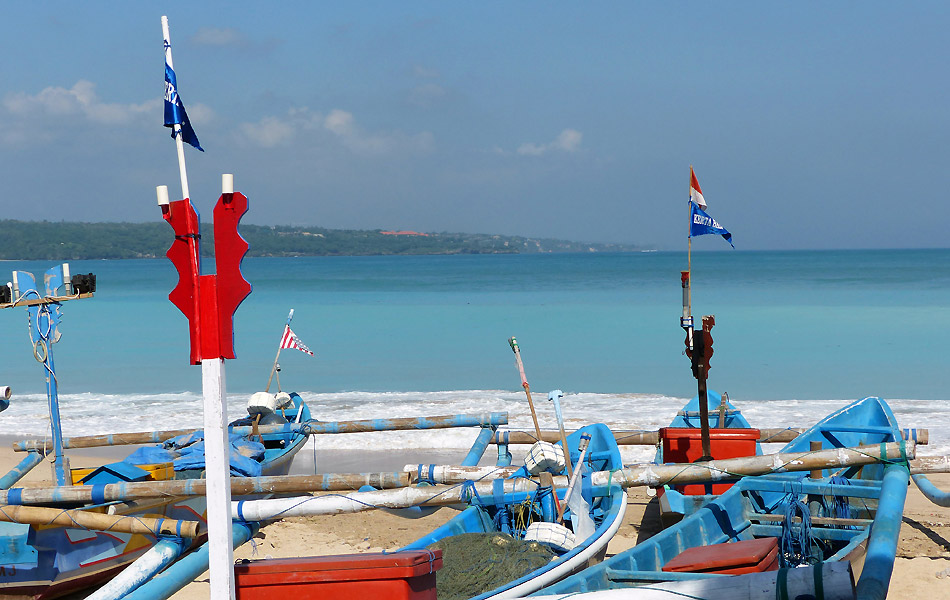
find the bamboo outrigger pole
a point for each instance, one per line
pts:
(602, 481)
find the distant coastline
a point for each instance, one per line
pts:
(45, 240)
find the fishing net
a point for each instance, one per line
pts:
(474, 563)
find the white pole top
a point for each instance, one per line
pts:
(162, 192)
(227, 183)
(168, 45)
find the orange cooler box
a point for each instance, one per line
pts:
(685, 445)
(374, 576)
(735, 558)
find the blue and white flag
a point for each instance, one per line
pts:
(701, 224)
(175, 111)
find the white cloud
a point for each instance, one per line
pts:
(55, 112)
(80, 100)
(426, 94)
(216, 36)
(568, 140)
(274, 131)
(338, 124)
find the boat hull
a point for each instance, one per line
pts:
(755, 508)
(608, 512)
(49, 562)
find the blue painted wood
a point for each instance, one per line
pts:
(932, 492)
(16, 473)
(878, 492)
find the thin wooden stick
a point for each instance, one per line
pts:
(276, 358)
(524, 383)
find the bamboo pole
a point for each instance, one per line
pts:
(308, 427)
(240, 486)
(634, 437)
(930, 464)
(78, 519)
(643, 476)
(524, 382)
(677, 473)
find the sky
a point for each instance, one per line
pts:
(809, 124)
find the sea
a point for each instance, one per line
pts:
(797, 335)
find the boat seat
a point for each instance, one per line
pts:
(731, 558)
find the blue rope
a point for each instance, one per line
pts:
(795, 543)
(840, 505)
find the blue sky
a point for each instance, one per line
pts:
(810, 125)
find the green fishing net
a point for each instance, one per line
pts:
(474, 563)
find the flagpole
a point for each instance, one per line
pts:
(279, 348)
(689, 247)
(686, 322)
(176, 129)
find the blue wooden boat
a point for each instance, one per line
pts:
(730, 436)
(857, 516)
(47, 562)
(491, 515)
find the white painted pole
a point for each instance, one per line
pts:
(218, 467)
(177, 128)
(218, 476)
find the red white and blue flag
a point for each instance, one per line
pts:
(290, 340)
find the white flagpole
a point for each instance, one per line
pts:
(176, 128)
(214, 393)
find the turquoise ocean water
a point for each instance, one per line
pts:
(797, 334)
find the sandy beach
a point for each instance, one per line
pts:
(923, 552)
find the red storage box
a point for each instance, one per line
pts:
(406, 575)
(684, 445)
(734, 558)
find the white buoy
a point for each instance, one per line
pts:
(262, 403)
(284, 400)
(556, 536)
(544, 456)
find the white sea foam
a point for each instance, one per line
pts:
(91, 414)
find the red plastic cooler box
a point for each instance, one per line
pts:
(406, 575)
(684, 445)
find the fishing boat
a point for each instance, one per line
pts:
(778, 521)
(68, 545)
(730, 436)
(515, 513)
(50, 561)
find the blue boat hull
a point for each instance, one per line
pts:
(48, 562)
(755, 507)
(608, 511)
